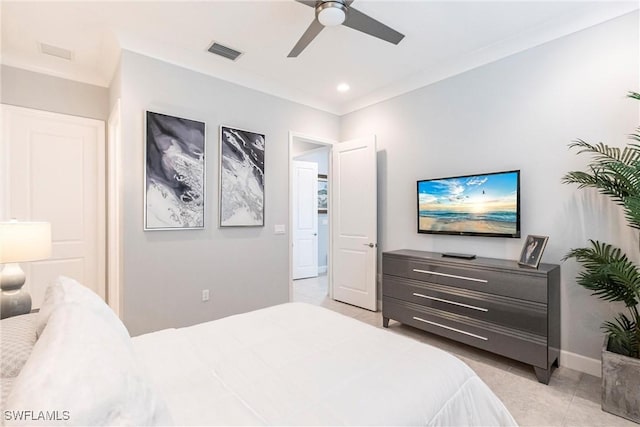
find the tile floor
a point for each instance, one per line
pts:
(572, 398)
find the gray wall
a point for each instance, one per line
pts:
(321, 158)
(42, 92)
(244, 268)
(517, 113)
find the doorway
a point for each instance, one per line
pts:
(351, 217)
(309, 167)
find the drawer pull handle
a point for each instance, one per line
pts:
(450, 302)
(451, 329)
(450, 275)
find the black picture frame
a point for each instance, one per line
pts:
(323, 194)
(532, 250)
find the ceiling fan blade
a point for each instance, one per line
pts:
(361, 22)
(310, 3)
(308, 36)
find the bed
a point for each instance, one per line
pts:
(291, 364)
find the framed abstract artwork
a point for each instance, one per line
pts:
(241, 178)
(174, 173)
(323, 195)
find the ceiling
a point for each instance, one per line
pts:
(443, 38)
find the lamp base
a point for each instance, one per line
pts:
(13, 299)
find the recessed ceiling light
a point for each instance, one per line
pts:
(343, 87)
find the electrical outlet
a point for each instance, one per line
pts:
(205, 295)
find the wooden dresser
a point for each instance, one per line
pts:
(492, 304)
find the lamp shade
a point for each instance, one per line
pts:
(24, 241)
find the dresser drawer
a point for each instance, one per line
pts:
(526, 347)
(519, 285)
(395, 266)
(513, 313)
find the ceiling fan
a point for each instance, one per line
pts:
(330, 13)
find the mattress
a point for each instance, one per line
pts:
(298, 364)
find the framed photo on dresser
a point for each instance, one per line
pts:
(532, 250)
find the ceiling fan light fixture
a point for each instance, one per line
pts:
(331, 13)
(339, 12)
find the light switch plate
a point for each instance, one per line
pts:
(279, 229)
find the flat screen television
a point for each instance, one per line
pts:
(472, 205)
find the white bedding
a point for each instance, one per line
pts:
(297, 364)
(82, 372)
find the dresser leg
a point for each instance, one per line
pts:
(543, 375)
(385, 322)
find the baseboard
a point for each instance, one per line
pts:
(322, 269)
(581, 363)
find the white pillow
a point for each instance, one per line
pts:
(66, 290)
(81, 372)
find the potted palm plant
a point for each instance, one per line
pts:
(609, 274)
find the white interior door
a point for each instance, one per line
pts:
(354, 218)
(305, 219)
(54, 165)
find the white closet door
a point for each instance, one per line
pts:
(54, 170)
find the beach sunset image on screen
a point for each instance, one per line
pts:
(478, 204)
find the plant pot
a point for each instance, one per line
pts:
(620, 384)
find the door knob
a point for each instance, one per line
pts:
(371, 245)
(315, 234)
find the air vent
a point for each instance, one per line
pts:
(224, 51)
(56, 51)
